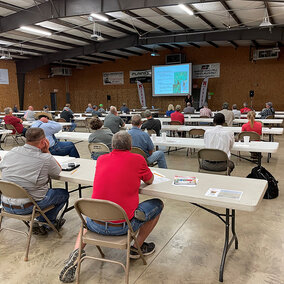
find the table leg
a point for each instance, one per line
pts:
(228, 242)
(259, 156)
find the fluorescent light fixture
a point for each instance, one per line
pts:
(155, 53)
(35, 30)
(186, 9)
(4, 42)
(99, 17)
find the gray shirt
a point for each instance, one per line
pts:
(103, 135)
(29, 115)
(28, 167)
(188, 109)
(113, 122)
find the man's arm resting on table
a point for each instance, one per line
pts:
(150, 181)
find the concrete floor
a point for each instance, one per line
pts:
(189, 242)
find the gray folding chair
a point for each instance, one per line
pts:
(213, 155)
(105, 211)
(195, 133)
(139, 151)
(12, 190)
(97, 149)
(150, 131)
(14, 135)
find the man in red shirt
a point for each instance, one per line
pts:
(15, 121)
(117, 179)
(177, 115)
(245, 109)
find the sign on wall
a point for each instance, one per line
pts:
(113, 78)
(202, 71)
(4, 77)
(144, 76)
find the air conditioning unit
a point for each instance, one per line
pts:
(270, 53)
(61, 71)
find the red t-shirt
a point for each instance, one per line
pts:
(245, 110)
(177, 116)
(118, 177)
(16, 122)
(257, 127)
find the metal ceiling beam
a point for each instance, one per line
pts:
(55, 64)
(213, 43)
(77, 63)
(194, 44)
(69, 8)
(172, 19)
(114, 54)
(231, 12)
(22, 49)
(145, 21)
(177, 46)
(88, 59)
(277, 34)
(269, 12)
(130, 51)
(101, 57)
(167, 46)
(10, 7)
(233, 43)
(81, 61)
(144, 48)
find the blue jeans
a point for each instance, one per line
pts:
(152, 208)
(64, 149)
(73, 126)
(57, 197)
(158, 156)
(95, 155)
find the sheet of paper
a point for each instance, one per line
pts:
(159, 178)
(63, 159)
(226, 193)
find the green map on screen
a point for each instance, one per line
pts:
(180, 79)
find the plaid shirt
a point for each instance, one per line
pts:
(266, 112)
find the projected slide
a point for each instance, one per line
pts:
(171, 80)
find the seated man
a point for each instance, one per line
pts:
(219, 138)
(31, 166)
(113, 184)
(113, 121)
(205, 111)
(177, 115)
(67, 107)
(229, 115)
(89, 108)
(124, 108)
(151, 123)
(245, 109)
(236, 112)
(268, 110)
(69, 117)
(15, 121)
(101, 134)
(45, 108)
(101, 109)
(188, 109)
(15, 108)
(143, 141)
(29, 114)
(95, 111)
(50, 128)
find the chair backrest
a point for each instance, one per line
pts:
(12, 190)
(197, 132)
(253, 136)
(174, 122)
(212, 155)
(101, 210)
(11, 127)
(139, 151)
(225, 124)
(98, 147)
(150, 131)
(60, 119)
(270, 117)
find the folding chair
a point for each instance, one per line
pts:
(87, 123)
(150, 131)
(105, 211)
(12, 190)
(14, 135)
(65, 128)
(139, 151)
(195, 133)
(253, 136)
(173, 132)
(213, 155)
(98, 149)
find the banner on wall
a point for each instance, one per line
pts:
(4, 77)
(113, 78)
(211, 70)
(203, 92)
(144, 76)
(141, 94)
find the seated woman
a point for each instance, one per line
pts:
(101, 135)
(170, 110)
(252, 125)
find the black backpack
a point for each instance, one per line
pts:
(261, 173)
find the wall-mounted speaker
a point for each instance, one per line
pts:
(251, 93)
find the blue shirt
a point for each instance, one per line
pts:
(49, 128)
(141, 140)
(169, 112)
(89, 109)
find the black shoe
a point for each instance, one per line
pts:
(146, 248)
(67, 274)
(57, 224)
(39, 230)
